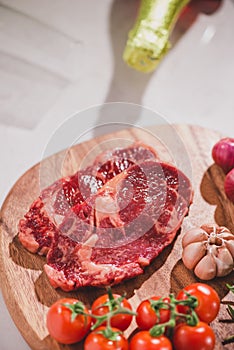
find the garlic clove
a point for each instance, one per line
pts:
(206, 268)
(230, 246)
(224, 261)
(194, 235)
(193, 253)
(209, 251)
(210, 227)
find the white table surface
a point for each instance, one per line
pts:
(60, 57)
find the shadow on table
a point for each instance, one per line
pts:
(212, 190)
(127, 84)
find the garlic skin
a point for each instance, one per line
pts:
(208, 251)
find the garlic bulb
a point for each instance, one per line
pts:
(208, 251)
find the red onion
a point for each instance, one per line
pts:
(223, 154)
(229, 185)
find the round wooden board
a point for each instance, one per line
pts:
(25, 287)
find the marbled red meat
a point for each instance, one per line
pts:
(119, 230)
(38, 227)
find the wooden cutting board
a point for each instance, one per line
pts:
(25, 287)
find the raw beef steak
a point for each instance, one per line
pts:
(37, 229)
(117, 231)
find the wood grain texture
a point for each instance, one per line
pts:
(25, 287)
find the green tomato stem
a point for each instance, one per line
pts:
(76, 309)
(191, 318)
(115, 308)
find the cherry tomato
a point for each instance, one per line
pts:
(97, 341)
(199, 337)
(62, 327)
(146, 316)
(120, 321)
(144, 341)
(208, 301)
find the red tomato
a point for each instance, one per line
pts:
(144, 341)
(61, 326)
(146, 316)
(120, 321)
(97, 341)
(199, 337)
(208, 301)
